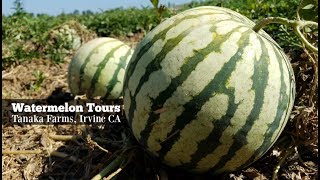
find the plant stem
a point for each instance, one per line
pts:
(278, 166)
(275, 20)
(51, 152)
(296, 25)
(15, 152)
(115, 163)
(64, 137)
(304, 40)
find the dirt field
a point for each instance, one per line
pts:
(36, 152)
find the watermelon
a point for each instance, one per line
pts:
(205, 93)
(97, 69)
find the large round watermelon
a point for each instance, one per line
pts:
(98, 68)
(204, 92)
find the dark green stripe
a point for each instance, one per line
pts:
(259, 84)
(186, 69)
(218, 85)
(114, 79)
(283, 107)
(160, 35)
(267, 37)
(188, 66)
(241, 18)
(223, 10)
(100, 67)
(88, 59)
(143, 50)
(155, 65)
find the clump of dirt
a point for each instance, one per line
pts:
(27, 137)
(64, 39)
(132, 39)
(19, 82)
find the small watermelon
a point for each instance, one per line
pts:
(98, 68)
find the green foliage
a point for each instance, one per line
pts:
(18, 7)
(155, 3)
(308, 10)
(23, 36)
(120, 22)
(159, 9)
(259, 9)
(39, 80)
(26, 36)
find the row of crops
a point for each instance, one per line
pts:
(26, 36)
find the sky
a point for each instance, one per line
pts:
(55, 7)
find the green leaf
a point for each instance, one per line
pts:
(307, 29)
(161, 9)
(309, 6)
(308, 10)
(155, 3)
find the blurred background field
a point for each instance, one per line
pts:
(26, 35)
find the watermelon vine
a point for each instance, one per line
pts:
(300, 26)
(297, 25)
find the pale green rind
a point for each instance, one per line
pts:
(98, 65)
(204, 92)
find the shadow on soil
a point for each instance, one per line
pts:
(83, 159)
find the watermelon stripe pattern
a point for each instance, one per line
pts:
(98, 68)
(185, 102)
(114, 80)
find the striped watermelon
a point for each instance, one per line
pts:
(204, 92)
(98, 68)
